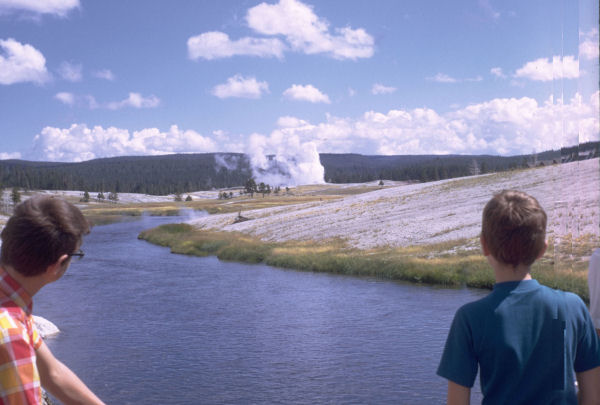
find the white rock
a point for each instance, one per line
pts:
(44, 327)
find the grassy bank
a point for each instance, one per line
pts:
(452, 264)
(101, 214)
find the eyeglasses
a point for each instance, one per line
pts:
(79, 254)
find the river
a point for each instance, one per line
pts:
(142, 326)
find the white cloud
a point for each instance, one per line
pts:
(134, 100)
(79, 143)
(214, 45)
(10, 155)
(57, 7)
(306, 93)
(302, 29)
(489, 10)
(544, 69)
(105, 74)
(21, 63)
(442, 78)
(70, 72)
(588, 45)
(497, 71)
(91, 102)
(379, 88)
(290, 122)
(65, 98)
(504, 126)
(239, 86)
(306, 32)
(351, 92)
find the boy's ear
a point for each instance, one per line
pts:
(57, 268)
(486, 251)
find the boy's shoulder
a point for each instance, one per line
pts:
(523, 292)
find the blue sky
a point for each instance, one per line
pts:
(87, 79)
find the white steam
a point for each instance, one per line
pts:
(190, 214)
(283, 160)
(227, 162)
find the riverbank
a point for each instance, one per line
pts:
(418, 264)
(419, 232)
(426, 233)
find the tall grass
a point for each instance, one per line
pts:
(427, 264)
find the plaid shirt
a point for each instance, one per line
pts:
(19, 377)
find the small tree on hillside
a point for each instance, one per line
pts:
(262, 188)
(188, 198)
(178, 197)
(100, 195)
(15, 196)
(250, 187)
(86, 197)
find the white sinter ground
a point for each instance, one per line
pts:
(413, 214)
(429, 212)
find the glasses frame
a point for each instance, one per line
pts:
(79, 254)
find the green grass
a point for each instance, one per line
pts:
(426, 264)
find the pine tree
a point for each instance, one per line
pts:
(15, 196)
(250, 187)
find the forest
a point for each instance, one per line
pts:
(181, 173)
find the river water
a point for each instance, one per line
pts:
(142, 326)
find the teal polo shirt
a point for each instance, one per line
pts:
(528, 341)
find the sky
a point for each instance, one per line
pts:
(86, 79)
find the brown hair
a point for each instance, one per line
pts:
(514, 227)
(41, 230)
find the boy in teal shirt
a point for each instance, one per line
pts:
(529, 342)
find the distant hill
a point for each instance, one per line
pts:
(167, 174)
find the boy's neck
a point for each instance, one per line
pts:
(506, 272)
(30, 284)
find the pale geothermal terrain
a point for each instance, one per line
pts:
(428, 212)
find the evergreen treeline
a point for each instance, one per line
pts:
(158, 175)
(172, 174)
(353, 168)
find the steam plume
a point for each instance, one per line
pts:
(284, 160)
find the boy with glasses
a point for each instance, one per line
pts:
(38, 243)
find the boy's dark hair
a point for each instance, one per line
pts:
(514, 227)
(41, 230)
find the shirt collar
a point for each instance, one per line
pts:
(11, 290)
(520, 286)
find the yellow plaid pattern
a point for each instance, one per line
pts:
(19, 377)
